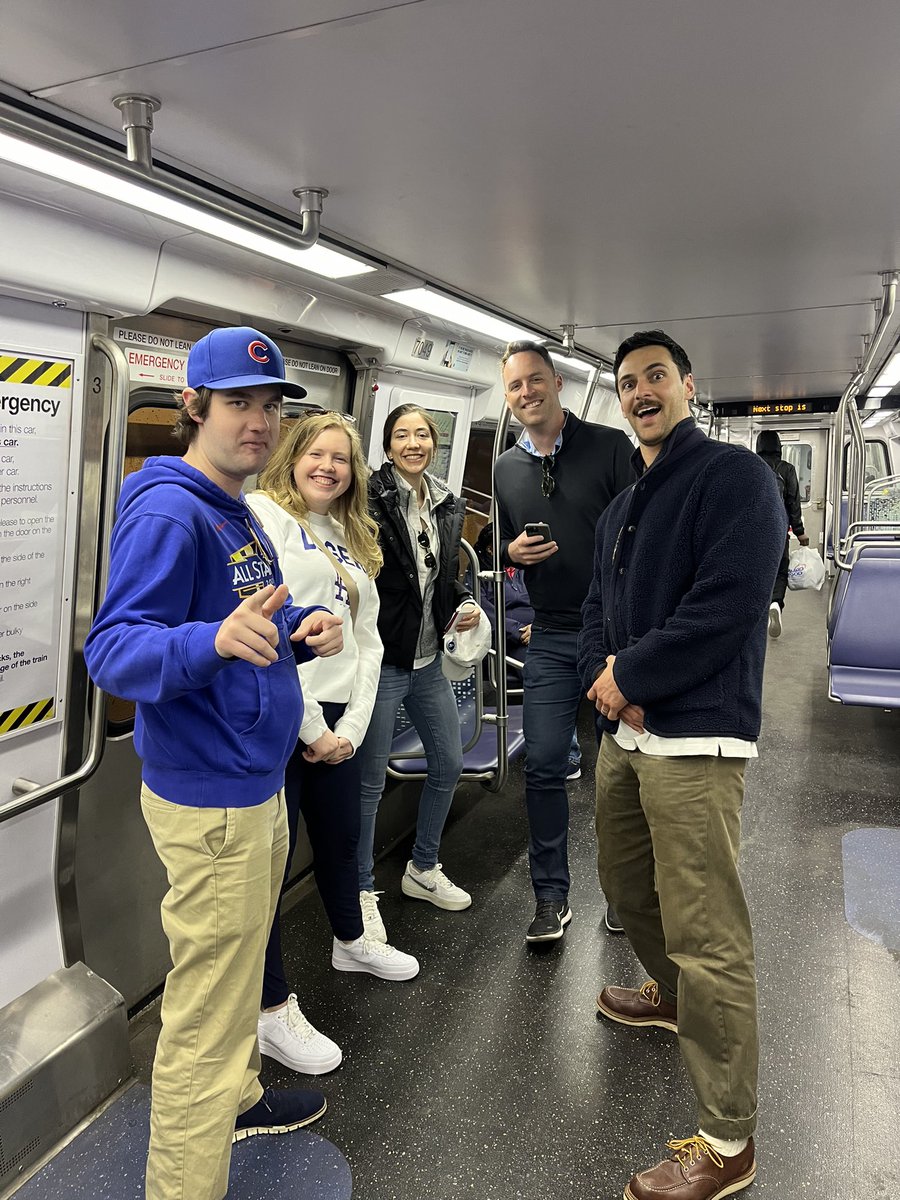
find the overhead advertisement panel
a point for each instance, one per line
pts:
(35, 425)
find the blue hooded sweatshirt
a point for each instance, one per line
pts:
(212, 732)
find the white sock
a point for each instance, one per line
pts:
(724, 1147)
(355, 942)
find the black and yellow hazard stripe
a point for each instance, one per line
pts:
(27, 714)
(42, 372)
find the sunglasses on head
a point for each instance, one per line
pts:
(548, 483)
(430, 560)
(316, 410)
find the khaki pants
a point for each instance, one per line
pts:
(668, 835)
(225, 867)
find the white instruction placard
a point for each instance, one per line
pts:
(35, 425)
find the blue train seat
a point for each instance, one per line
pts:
(478, 758)
(864, 658)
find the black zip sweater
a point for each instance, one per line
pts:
(592, 466)
(400, 612)
(684, 565)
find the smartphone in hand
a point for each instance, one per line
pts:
(538, 529)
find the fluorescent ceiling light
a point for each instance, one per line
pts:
(879, 417)
(318, 259)
(890, 375)
(608, 376)
(877, 392)
(427, 301)
(576, 364)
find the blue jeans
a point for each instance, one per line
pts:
(428, 698)
(553, 691)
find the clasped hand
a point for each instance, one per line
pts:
(328, 748)
(610, 702)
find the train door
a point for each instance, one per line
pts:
(806, 449)
(44, 484)
(450, 408)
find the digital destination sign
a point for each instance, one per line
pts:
(780, 408)
(776, 408)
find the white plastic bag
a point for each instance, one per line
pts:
(805, 569)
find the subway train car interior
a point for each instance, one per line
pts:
(392, 192)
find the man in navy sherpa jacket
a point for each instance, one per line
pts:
(671, 652)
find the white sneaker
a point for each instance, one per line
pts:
(365, 954)
(288, 1037)
(774, 620)
(373, 926)
(433, 886)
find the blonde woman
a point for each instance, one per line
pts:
(313, 506)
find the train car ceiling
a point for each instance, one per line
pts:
(726, 183)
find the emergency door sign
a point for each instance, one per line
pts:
(35, 425)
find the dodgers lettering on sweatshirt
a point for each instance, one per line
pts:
(212, 732)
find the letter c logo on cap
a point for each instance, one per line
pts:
(258, 351)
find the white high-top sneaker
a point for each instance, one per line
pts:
(290, 1039)
(377, 958)
(373, 926)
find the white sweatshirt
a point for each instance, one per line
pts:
(350, 677)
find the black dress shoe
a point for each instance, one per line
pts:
(550, 920)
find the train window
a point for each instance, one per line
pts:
(446, 424)
(876, 462)
(800, 456)
(477, 485)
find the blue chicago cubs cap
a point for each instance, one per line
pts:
(238, 357)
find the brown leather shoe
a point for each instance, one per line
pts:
(695, 1172)
(638, 1006)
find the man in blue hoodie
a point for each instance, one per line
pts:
(198, 628)
(671, 652)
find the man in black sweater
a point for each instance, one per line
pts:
(563, 473)
(672, 654)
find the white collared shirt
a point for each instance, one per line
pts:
(683, 747)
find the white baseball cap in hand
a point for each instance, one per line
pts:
(463, 648)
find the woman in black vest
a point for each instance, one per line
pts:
(420, 526)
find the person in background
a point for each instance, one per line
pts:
(198, 628)
(671, 653)
(420, 526)
(768, 447)
(518, 619)
(313, 504)
(563, 472)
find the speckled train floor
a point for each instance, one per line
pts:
(490, 1077)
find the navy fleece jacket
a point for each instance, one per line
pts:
(212, 732)
(684, 565)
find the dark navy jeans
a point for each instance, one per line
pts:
(553, 691)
